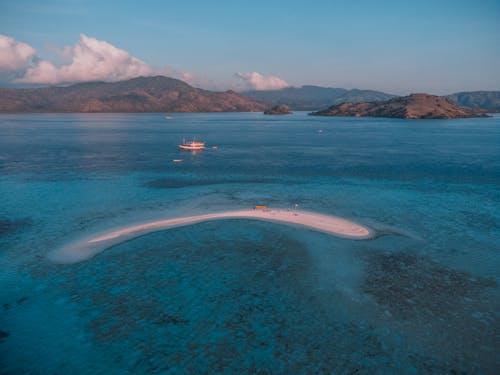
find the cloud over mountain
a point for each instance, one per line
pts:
(14, 55)
(90, 60)
(256, 81)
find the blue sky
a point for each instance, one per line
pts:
(394, 46)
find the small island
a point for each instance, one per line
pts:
(278, 110)
(414, 106)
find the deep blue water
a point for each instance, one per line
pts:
(245, 296)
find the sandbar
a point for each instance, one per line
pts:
(85, 249)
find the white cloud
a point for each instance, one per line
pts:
(14, 55)
(256, 81)
(90, 60)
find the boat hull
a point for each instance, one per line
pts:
(191, 148)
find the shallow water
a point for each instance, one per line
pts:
(240, 295)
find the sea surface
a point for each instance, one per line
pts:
(242, 296)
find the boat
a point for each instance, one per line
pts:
(192, 145)
(178, 160)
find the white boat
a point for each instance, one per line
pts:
(192, 145)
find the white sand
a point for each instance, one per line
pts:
(324, 223)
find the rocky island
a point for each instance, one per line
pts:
(278, 110)
(414, 106)
(142, 94)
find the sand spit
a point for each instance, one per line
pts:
(82, 250)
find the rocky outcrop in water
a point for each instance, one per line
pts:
(278, 110)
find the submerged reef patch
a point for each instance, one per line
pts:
(9, 226)
(410, 285)
(448, 311)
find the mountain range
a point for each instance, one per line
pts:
(308, 98)
(143, 94)
(488, 101)
(163, 94)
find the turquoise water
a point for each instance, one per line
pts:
(239, 295)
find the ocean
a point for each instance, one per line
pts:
(243, 296)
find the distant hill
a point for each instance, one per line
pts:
(308, 98)
(488, 101)
(143, 94)
(415, 106)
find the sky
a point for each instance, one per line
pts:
(399, 47)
